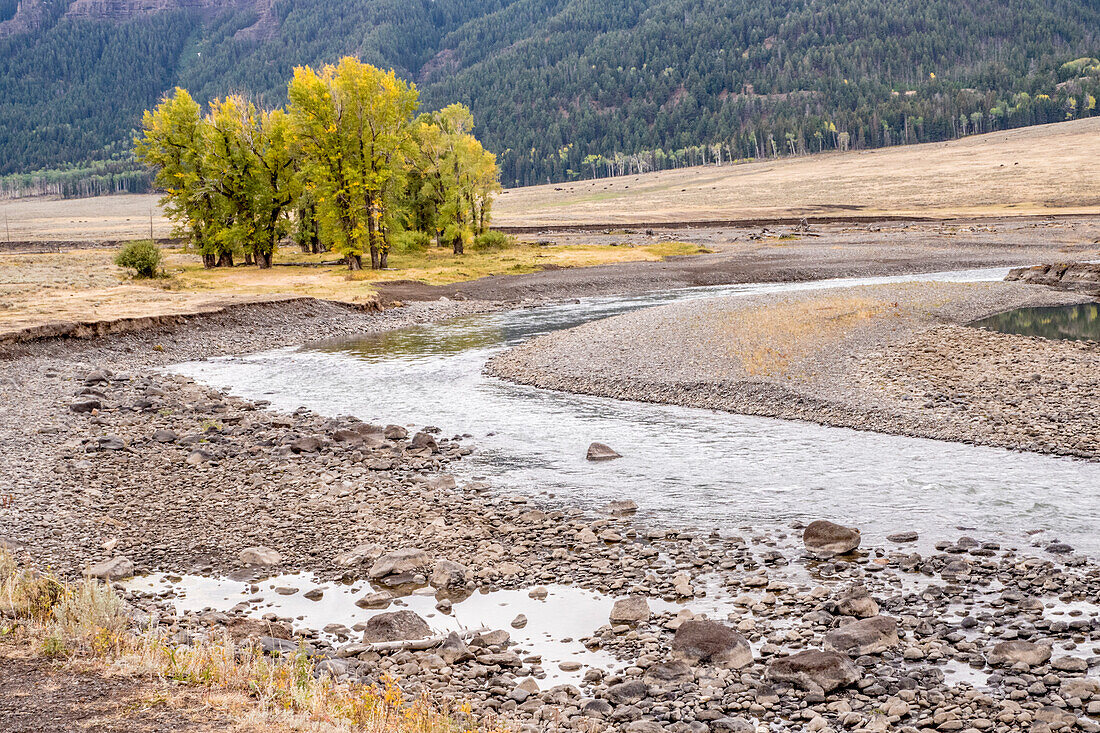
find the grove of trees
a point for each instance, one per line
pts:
(348, 165)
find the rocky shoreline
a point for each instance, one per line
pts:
(115, 467)
(896, 359)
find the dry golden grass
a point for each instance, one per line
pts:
(767, 339)
(1033, 170)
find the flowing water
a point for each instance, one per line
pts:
(683, 466)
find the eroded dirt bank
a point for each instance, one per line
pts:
(890, 358)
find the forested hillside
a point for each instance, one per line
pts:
(568, 88)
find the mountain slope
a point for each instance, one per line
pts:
(556, 84)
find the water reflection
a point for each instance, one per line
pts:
(1074, 322)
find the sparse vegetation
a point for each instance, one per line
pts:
(143, 257)
(87, 623)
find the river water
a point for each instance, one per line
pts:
(683, 466)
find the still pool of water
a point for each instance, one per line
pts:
(1079, 322)
(683, 466)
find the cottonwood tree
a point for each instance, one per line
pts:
(353, 126)
(457, 175)
(173, 142)
(248, 152)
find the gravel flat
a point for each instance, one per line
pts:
(890, 358)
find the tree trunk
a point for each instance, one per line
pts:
(459, 247)
(384, 259)
(263, 259)
(209, 261)
(306, 247)
(249, 259)
(355, 262)
(225, 259)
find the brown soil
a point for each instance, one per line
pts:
(37, 696)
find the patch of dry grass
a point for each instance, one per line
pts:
(87, 625)
(767, 339)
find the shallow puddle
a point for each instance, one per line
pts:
(1073, 322)
(554, 624)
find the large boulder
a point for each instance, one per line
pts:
(814, 671)
(454, 650)
(826, 539)
(116, 568)
(628, 693)
(632, 610)
(856, 601)
(601, 452)
(395, 626)
(867, 636)
(405, 560)
(259, 556)
(1008, 653)
(669, 675)
(700, 641)
(448, 574)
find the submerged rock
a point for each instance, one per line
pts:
(1008, 653)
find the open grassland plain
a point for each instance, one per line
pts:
(1029, 171)
(1036, 171)
(891, 358)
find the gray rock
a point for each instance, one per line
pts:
(277, 647)
(165, 436)
(1069, 664)
(1008, 653)
(867, 636)
(111, 442)
(259, 556)
(601, 452)
(709, 642)
(669, 675)
(620, 508)
(632, 610)
(814, 671)
(901, 537)
(400, 561)
(307, 444)
(448, 574)
(86, 405)
(395, 626)
(826, 539)
(628, 693)
(644, 726)
(454, 650)
(116, 568)
(856, 601)
(358, 556)
(732, 725)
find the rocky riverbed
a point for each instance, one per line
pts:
(110, 466)
(893, 358)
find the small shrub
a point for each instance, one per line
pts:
(53, 647)
(493, 240)
(411, 241)
(143, 257)
(92, 614)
